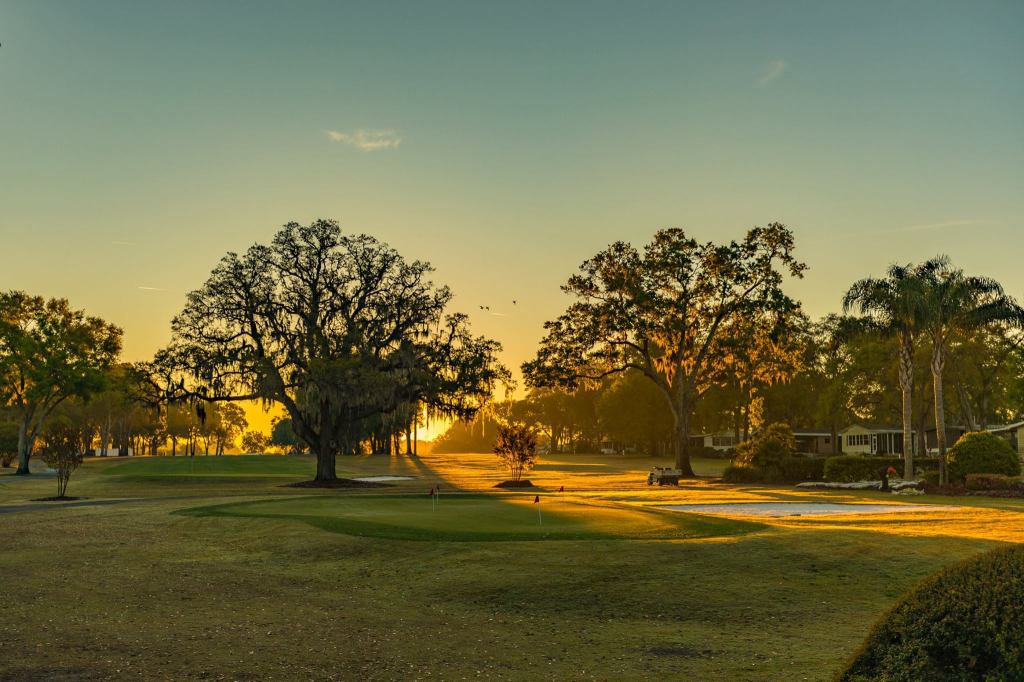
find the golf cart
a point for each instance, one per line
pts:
(664, 476)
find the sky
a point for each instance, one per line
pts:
(504, 142)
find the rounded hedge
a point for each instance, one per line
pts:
(980, 452)
(966, 623)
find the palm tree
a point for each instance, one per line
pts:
(950, 302)
(891, 306)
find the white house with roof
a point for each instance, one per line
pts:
(873, 439)
(719, 440)
(1014, 433)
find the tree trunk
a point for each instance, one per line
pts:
(907, 389)
(24, 449)
(681, 412)
(325, 455)
(938, 361)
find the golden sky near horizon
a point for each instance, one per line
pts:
(503, 143)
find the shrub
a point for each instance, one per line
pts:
(966, 623)
(799, 469)
(850, 468)
(768, 447)
(740, 473)
(993, 482)
(788, 470)
(980, 452)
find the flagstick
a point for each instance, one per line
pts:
(540, 518)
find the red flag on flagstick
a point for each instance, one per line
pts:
(561, 488)
(536, 500)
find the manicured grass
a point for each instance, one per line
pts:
(228, 575)
(200, 466)
(482, 518)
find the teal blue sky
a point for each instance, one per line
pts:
(504, 142)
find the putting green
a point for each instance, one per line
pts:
(481, 518)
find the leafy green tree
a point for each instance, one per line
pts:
(180, 426)
(950, 301)
(631, 409)
(892, 307)
(337, 329)
(254, 441)
(231, 423)
(981, 361)
(48, 354)
(283, 436)
(670, 313)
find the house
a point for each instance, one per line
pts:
(953, 434)
(813, 441)
(1014, 433)
(719, 440)
(873, 439)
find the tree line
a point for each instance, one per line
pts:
(359, 347)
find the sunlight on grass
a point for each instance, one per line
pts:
(480, 518)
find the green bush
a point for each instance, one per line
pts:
(799, 469)
(980, 452)
(850, 468)
(993, 482)
(768, 447)
(788, 470)
(966, 623)
(740, 473)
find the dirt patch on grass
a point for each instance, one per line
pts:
(338, 484)
(515, 484)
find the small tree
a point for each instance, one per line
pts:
(254, 441)
(517, 449)
(61, 452)
(768, 447)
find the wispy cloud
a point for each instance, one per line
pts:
(118, 242)
(367, 140)
(772, 71)
(150, 289)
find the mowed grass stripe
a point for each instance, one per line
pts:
(482, 518)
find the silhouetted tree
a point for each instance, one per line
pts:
(516, 447)
(336, 328)
(670, 313)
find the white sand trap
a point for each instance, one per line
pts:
(778, 509)
(384, 479)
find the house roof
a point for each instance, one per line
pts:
(1005, 427)
(877, 428)
(812, 432)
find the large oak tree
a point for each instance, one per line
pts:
(674, 312)
(339, 329)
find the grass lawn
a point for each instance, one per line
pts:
(208, 568)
